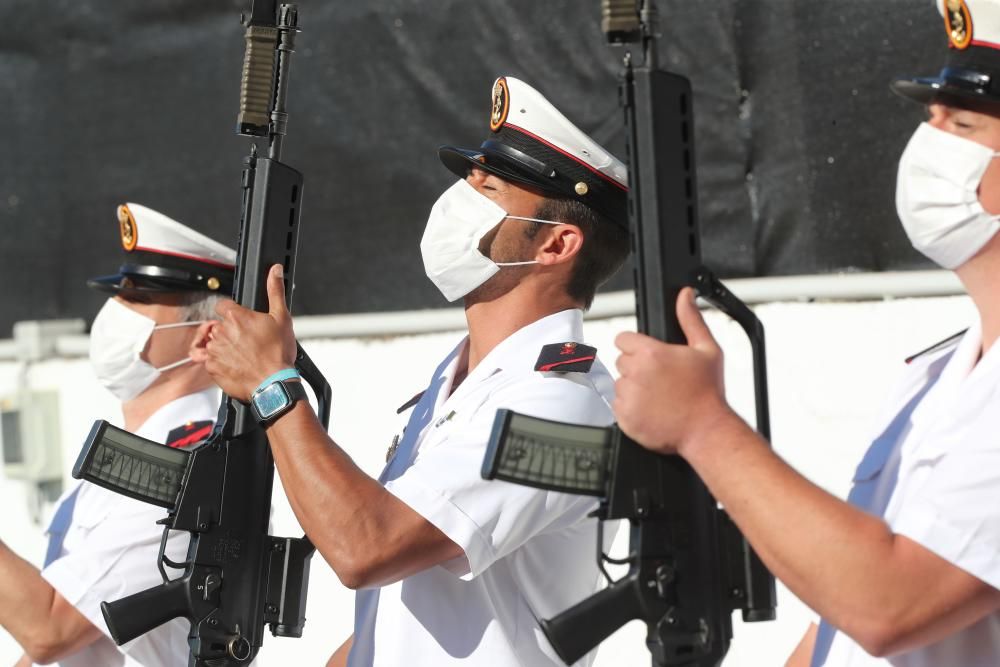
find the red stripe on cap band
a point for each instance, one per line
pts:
(549, 367)
(988, 45)
(570, 156)
(183, 256)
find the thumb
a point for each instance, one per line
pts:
(692, 323)
(276, 293)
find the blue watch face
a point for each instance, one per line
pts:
(271, 401)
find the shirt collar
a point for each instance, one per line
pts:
(974, 364)
(519, 351)
(963, 359)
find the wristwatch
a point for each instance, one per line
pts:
(276, 395)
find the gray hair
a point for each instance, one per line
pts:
(200, 306)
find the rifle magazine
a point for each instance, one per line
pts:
(131, 465)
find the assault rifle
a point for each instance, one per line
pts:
(236, 578)
(689, 567)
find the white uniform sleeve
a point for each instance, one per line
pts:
(954, 512)
(490, 519)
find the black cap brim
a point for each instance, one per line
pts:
(127, 284)
(460, 160)
(545, 170)
(171, 275)
(970, 74)
(927, 89)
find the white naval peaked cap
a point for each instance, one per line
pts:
(163, 255)
(532, 142)
(972, 64)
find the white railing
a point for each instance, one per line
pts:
(831, 287)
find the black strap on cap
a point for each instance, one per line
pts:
(518, 157)
(156, 272)
(966, 78)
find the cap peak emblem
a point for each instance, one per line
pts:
(501, 104)
(126, 224)
(958, 23)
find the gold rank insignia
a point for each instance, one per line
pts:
(501, 104)
(958, 23)
(126, 222)
(391, 452)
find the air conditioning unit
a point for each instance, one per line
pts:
(30, 436)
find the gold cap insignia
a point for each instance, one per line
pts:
(581, 188)
(501, 104)
(958, 23)
(212, 283)
(126, 222)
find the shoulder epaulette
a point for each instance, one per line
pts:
(566, 358)
(189, 434)
(410, 403)
(941, 344)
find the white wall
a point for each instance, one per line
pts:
(830, 366)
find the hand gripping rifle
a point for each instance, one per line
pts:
(236, 578)
(689, 567)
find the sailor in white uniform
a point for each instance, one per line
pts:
(450, 568)
(104, 546)
(907, 572)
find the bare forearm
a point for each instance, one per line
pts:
(336, 503)
(46, 626)
(25, 597)
(367, 535)
(835, 557)
(887, 592)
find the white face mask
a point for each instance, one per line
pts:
(458, 221)
(117, 339)
(937, 199)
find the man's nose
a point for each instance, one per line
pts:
(937, 114)
(476, 176)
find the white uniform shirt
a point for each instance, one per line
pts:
(529, 553)
(933, 474)
(111, 550)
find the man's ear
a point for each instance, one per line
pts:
(562, 243)
(197, 351)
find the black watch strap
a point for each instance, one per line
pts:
(296, 391)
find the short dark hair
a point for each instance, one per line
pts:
(605, 244)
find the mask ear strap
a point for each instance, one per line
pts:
(547, 222)
(177, 325)
(534, 261)
(174, 365)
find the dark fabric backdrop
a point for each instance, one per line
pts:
(114, 100)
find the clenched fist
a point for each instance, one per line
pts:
(667, 395)
(244, 347)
